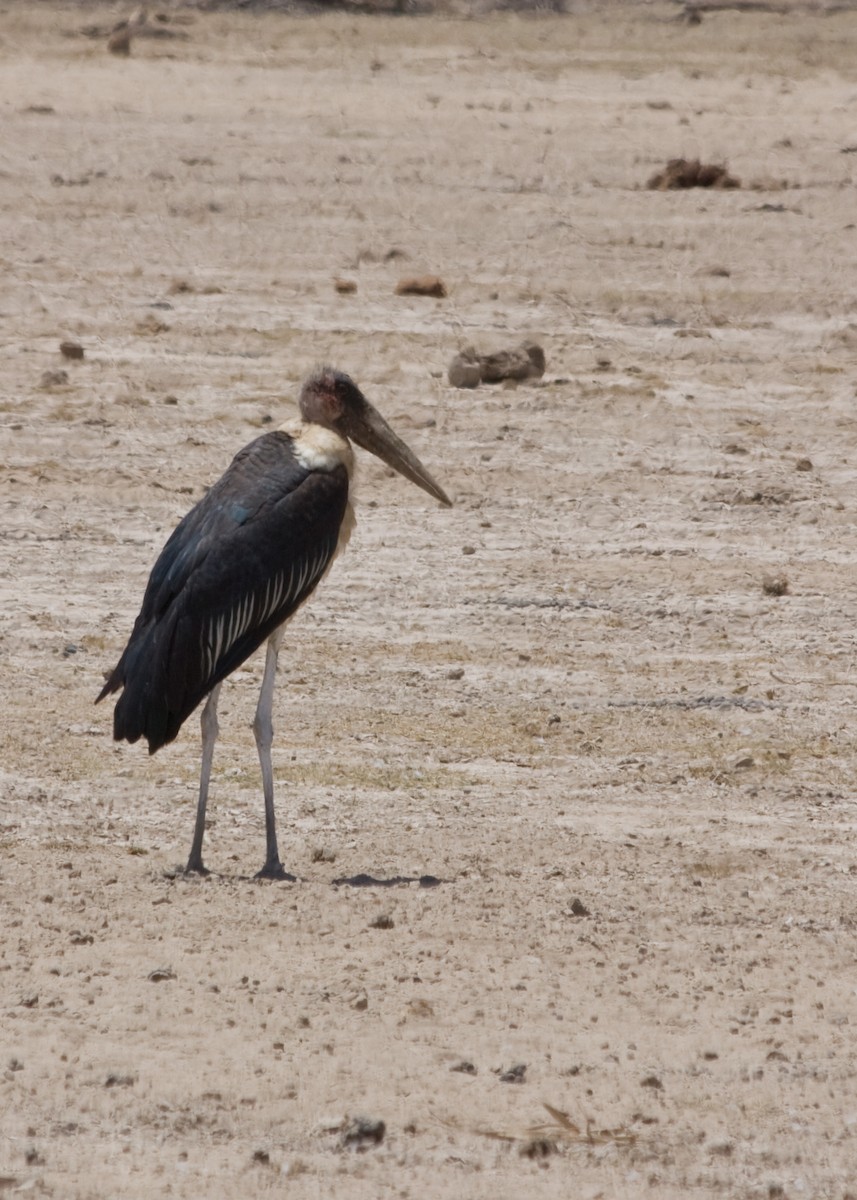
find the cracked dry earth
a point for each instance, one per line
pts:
(606, 700)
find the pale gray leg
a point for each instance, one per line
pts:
(208, 722)
(263, 728)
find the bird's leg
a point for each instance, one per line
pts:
(208, 722)
(263, 728)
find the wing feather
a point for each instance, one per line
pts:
(238, 566)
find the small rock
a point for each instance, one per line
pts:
(803, 464)
(361, 1133)
(775, 585)
(262, 1157)
(468, 549)
(180, 287)
(652, 1081)
(53, 379)
(72, 350)
(455, 673)
(323, 854)
(578, 909)
(119, 42)
(345, 287)
(30, 1001)
(360, 1002)
(690, 173)
(113, 1080)
(464, 1067)
(514, 1074)
(744, 762)
(382, 921)
(422, 285)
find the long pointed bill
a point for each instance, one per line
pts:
(371, 431)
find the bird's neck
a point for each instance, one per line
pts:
(319, 449)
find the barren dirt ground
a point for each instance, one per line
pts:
(575, 686)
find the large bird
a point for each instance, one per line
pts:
(238, 567)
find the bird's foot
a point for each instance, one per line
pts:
(275, 870)
(195, 867)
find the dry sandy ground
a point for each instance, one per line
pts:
(573, 686)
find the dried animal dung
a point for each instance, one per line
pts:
(690, 173)
(526, 361)
(465, 370)
(422, 285)
(468, 369)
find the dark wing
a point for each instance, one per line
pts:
(237, 567)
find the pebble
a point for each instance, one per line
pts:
(422, 285)
(361, 1133)
(514, 1074)
(72, 350)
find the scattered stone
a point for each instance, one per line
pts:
(578, 909)
(72, 350)
(455, 673)
(81, 939)
(803, 464)
(744, 762)
(345, 287)
(468, 550)
(361, 1133)
(30, 1001)
(422, 285)
(775, 585)
(514, 1074)
(360, 1002)
(113, 1080)
(52, 379)
(690, 173)
(15, 1064)
(464, 1067)
(382, 921)
(652, 1081)
(33, 1158)
(262, 1157)
(180, 287)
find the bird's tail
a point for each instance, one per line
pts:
(143, 709)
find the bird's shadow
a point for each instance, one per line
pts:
(361, 880)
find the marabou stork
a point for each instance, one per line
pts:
(238, 567)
